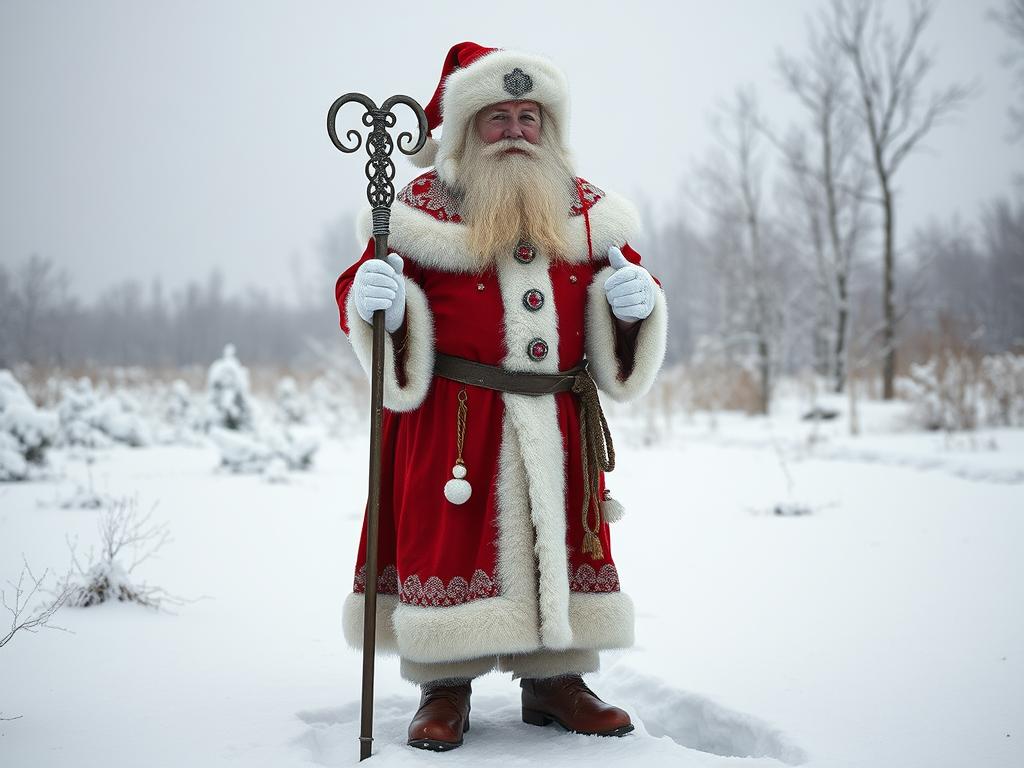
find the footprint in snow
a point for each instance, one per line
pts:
(658, 710)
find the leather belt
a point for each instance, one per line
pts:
(468, 371)
(596, 450)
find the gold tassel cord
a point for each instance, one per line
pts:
(460, 423)
(597, 454)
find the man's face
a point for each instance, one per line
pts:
(509, 120)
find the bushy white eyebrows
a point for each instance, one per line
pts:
(528, 111)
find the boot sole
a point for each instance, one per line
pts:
(435, 745)
(536, 717)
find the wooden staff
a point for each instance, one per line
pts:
(380, 192)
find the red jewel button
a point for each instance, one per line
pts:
(525, 253)
(538, 349)
(533, 299)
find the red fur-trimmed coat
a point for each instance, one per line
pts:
(504, 572)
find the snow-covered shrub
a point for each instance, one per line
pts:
(181, 414)
(290, 405)
(240, 451)
(944, 393)
(93, 419)
(336, 403)
(249, 441)
(254, 451)
(1004, 389)
(127, 540)
(25, 431)
(229, 404)
(957, 392)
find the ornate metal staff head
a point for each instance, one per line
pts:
(380, 171)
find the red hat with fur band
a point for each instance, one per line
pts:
(474, 77)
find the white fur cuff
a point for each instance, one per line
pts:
(600, 343)
(419, 351)
(352, 622)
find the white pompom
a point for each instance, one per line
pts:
(457, 491)
(611, 510)
(425, 157)
(459, 471)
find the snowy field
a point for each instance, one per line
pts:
(884, 627)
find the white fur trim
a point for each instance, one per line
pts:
(611, 510)
(550, 663)
(488, 625)
(523, 325)
(601, 620)
(600, 343)
(419, 351)
(420, 672)
(470, 89)
(441, 245)
(535, 421)
(425, 157)
(352, 622)
(515, 621)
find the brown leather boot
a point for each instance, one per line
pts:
(442, 718)
(568, 701)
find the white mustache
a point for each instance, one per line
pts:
(502, 145)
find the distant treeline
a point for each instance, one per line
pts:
(42, 322)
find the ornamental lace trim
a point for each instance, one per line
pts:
(586, 579)
(387, 581)
(432, 592)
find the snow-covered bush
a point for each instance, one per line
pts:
(181, 414)
(127, 540)
(249, 441)
(958, 392)
(255, 451)
(93, 419)
(944, 393)
(1004, 389)
(336, 410)
(229, 404)
(25, 431)
(290, 404)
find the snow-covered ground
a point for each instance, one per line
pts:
(884, 628)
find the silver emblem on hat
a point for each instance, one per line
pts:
(517, 83)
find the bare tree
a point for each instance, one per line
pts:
(890, 70)
(829, 179)
(1011, 19)
(733, 194)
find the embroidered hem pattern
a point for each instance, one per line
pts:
(433, 592)
(586, 579)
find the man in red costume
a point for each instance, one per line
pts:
(508, 275)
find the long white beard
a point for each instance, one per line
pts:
(513, 197)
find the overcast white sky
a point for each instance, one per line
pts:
(144, 139)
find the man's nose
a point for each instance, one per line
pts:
(513, 130)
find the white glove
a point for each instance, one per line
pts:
(630, 289)
(379, 284)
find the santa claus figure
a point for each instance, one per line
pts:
(511, 297)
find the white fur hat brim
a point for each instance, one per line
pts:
(491, 79)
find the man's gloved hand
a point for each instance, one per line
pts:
(630, 289)
(379, 284)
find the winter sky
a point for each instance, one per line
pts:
(144, 139)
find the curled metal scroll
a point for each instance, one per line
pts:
(380, 171)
